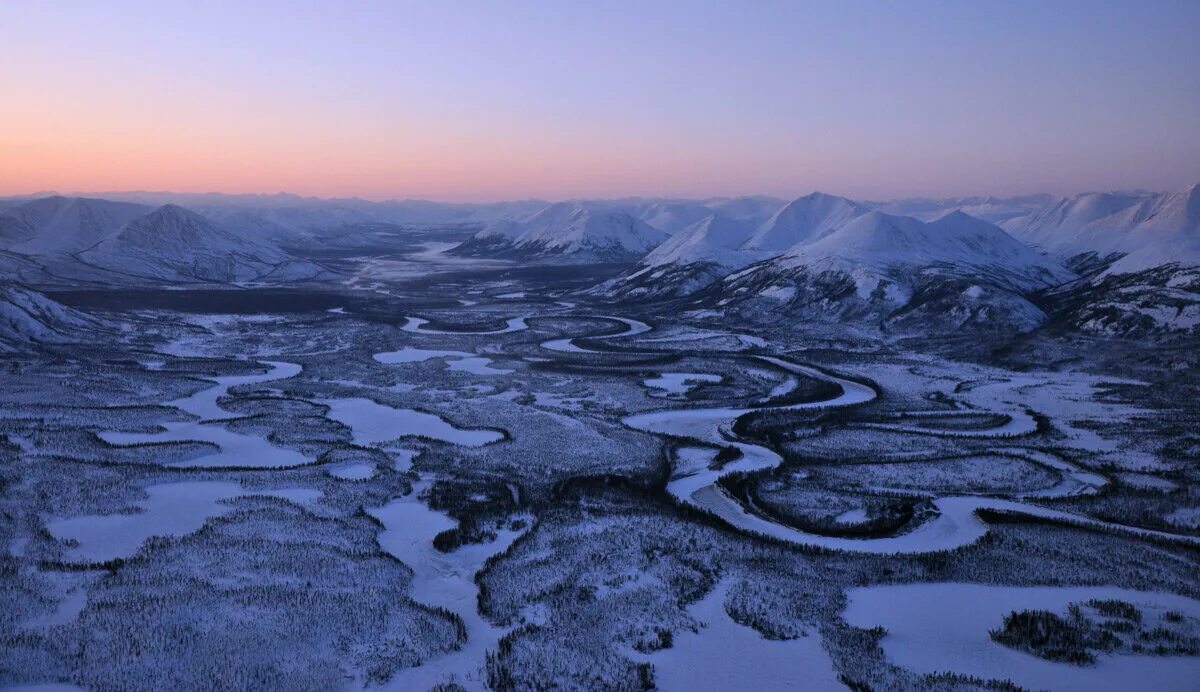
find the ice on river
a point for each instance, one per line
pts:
(445, 580)
(416, 325)
(955, 524)
(234, 449)
(632, 327)
(203, 404)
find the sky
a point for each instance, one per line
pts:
(481, 101)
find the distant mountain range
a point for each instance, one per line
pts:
(571, 229)
(1148, 230)
(174, 244)
(900, 271)
(911, 263)
(1119, 263)
(96, 240)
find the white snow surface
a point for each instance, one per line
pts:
(28, 317)
(725, 655)
(373, 423)
(174, 244)
(672, 217)
(444, 580)
(572, 227)
(459, 361)
(732, 242)
(802, 221)
(1152, 229)
(956, 523)
(680, 382)
(170, 509)
(822, 232)
(416, 325)
(62, 225)
(568, 345)
(943, 627)
(717, 239)
(884, 243)
(234, 449)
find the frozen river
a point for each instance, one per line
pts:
(234, 449)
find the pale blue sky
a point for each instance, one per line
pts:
(486, 100)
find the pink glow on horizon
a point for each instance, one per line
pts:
(482, 101)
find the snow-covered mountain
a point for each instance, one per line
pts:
(753, 209)
(174, 244)
(73, 239)
(1093, 222)
(687, 261)
(1139, 254)
(955, 242)
(719, 243)
(1160, 301)
(716, 238)
(1148, 229)
(299, 213)
(803, 220)
(29, 319)
(902, 272)
(62, 225)
(1169, 234)
(952, 268)
(290, 226)
(672, 217)
(567, 230)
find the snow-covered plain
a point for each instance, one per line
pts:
(589, 494)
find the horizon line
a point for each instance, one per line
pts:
(102, 194)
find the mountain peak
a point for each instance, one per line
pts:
(569, 229)
(172, 243)
(174, 211)
(803, 220)
(60, 225)
(955, 216)
(886, 242)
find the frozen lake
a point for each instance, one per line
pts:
(458, 361)
(373, 423)
(944, 627)
(170, 509)
(724, 655)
